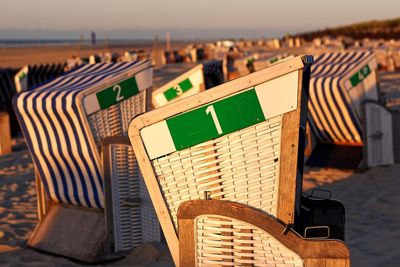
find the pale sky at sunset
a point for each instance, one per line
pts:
(132, 19)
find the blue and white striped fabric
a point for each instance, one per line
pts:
(331, 115)
(54, 124)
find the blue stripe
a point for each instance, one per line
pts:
(325, 69)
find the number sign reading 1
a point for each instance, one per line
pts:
(219, 118)
(360, 75)
(118, 92)
(178, 89)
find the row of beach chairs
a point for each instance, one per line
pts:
(14, 81)
(219, 170)
(346, 108)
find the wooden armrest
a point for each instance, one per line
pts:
(314, 252)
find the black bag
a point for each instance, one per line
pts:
(321, 217)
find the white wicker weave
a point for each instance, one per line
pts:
(114, 121)
(223, 241)
(132, 225)
(242, 166)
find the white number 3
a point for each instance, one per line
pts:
(118, 89)
(210, 109)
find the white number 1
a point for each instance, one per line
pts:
(118, 89)
(210, 109)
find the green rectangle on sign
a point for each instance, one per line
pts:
(118, 92)
(360, 76)
(178, 89)
(216, 119)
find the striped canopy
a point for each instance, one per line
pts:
(331, 115)
(54, 124)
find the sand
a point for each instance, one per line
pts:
(16, 57)
(371, 199)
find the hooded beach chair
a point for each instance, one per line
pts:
(199, 78)
(93, 205)
(343, 90)
(241, 141)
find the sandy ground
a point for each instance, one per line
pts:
(17, 57)
(371, 199)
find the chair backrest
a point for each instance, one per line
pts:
(187, 84)
(339, 83)
(64, 121)
(239, 142)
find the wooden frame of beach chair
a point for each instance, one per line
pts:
(224, 233)
(338, 110)
(187, 84)
(256, 160)
(86, 133)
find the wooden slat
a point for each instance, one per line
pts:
(288, 161)
(41, 199)
(187, 242)
(5, 133)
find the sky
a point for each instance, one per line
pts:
(190, 19)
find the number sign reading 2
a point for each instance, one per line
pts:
(116, 93)
(211, 121)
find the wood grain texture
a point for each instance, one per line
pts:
(5, 133)
(41, 198)
(288, 160)
(187, 243)
(316, 251)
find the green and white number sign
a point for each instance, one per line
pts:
(118, 92)
(222, 117)
(360, 75)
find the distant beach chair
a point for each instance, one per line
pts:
(259, 61)
(343, 87)
(93, 205)
(199, 78)
(224, 233)
(7, 91)
(241, 141)
(187, 84)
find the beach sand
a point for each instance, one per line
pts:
(371, 200)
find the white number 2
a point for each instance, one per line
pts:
(210, 109)
(118, 89)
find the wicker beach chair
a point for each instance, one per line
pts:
(341, 85)
(224, 233)
(199, 78)
(92, 201)
(237, 142)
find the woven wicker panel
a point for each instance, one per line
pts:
(114, 121)
(223, 241)
(132, 225)
(242, 166)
